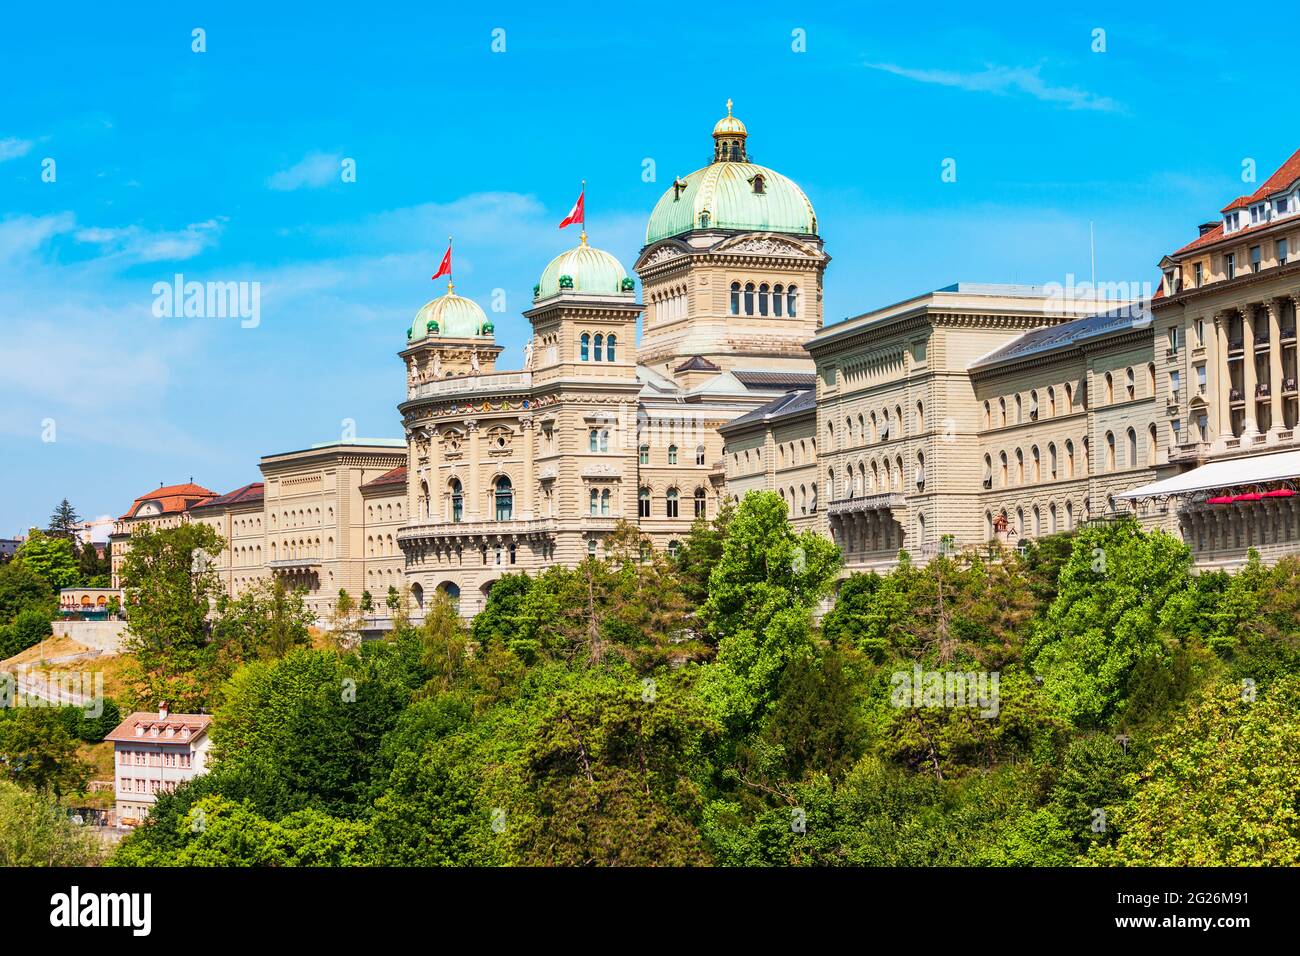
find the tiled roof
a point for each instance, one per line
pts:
(248, 494)
(173, 498)
(1283, 179)
(1066, 334)
(698, 363)
(395, 477)
(147, 722)
(770, 380)
(791, 403)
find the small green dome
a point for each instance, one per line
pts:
(583, 270)
(727, 195)
(452, 315)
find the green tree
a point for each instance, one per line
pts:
(49, 557)
(1106, 617)
(700, 553)
(38, 752)
(759, 610)
(1222, 787)
(36, 832)
(170, 587)
(21, 588)
(265, 621)
(64, 522)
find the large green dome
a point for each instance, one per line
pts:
(584, 269)
(732, 193)
(455, 315)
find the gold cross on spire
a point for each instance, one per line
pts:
(728, 105)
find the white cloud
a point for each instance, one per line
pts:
(13, 148)
(140, 245)
(1005, 81)
(311, 172)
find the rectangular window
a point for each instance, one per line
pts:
(1230, 265)
(1256, 258)
(1282, 252)
(1200, 274)
(1175, 382)
(1200, 379)
(1203, 428)
(1200, 329)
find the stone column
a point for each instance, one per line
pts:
(526, 493)
(473, 493)
(1250, 423)
(1222, 377)
(431, 475)
(1274, 307)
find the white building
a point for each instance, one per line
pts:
(153, 753)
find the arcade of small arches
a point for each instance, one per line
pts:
(302, 549)
(1003, 525)
(805, 501)
(880, 476)
(499, 500)
(384, 512)
(869, 427)
(298, 518)
(672, 499)
(999, 414)
(598, 347)
(668, 305)
(778, 300)
(247, 556)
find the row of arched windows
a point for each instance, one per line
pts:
(1015, 468)
(669, 304)
(866, 428)
(597, 348)
(384, 512)
(805, 502)
(501, 502)
(301, 548)
(763, 299)
(1041, 521)
(1112, 462)
(247, 556)
(380, 546)
(298, 518)
(1129, 385)
(1001, 414)
(247, 525)
(880, 477)
(796, 453)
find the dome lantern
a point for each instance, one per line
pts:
(729, 136)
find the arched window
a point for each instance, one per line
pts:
(1002, 464)
(988, 415)
(1051, 518)
(920, 471)
(778, 300)
(920, 417)
(1020, 411)
(792, 301)
(1002, 412)
(1051, 401)
(1033, 405)
(735, 298)
(701, 503)
(1110, 452)
(1110, 388)
(505, 499)
(1129, 389)
(988, 471)
(762, 299)
(610, 342)
(1051, 461)
(584, 347)
(457, 500)
(593, 499)
(1151, 445)
(1069, 459)
(604, 502)
(672, 454)
(1069, 516)
(673, 548)
(643, 454)
(699, 454)
(643, 502)
(1035, 465)
(1069, 398)
(593, 439)
(1020, 467)
(1038, 522)
(1132, 449)
(604, 439)
(749, 298)
(600, 349)
(671, 503)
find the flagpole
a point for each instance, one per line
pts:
(583, 193)
(451, 285)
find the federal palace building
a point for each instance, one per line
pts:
(965, 415)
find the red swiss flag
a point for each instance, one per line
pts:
(445, 268)
(576, 214)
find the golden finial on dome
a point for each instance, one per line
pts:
(728, 105)
(729, 138)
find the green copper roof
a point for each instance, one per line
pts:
(457, 317)
(724, 191)
(584, 269)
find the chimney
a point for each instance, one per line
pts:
(162, 710)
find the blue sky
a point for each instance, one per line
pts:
(223, 166)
